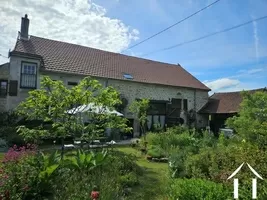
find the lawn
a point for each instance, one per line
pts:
(154, 181)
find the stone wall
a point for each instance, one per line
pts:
(4, 74)
(132, 90)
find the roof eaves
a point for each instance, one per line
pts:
(23, 54)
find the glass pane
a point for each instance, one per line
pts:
(29, 68)
(25, 69)
(3, 84)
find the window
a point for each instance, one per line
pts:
(127, 76)
(28, 75)
(72, 83)
(3, 88)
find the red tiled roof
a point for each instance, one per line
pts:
(70, 58)
(223, 103)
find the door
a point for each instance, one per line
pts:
(173, 112)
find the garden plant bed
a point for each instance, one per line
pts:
(154, 181)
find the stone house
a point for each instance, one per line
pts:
(172, 90)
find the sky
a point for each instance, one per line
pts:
(231, 61)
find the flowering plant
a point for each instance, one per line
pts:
(16, 171)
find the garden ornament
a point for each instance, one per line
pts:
(95, 193)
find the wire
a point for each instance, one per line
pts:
(3, 56)
(206, 36)
(170, 26)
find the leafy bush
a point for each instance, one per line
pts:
(129, 180)
(3, 144)
(118, 171)
(156, 152)
(28, 174)
(123, 163)
(192, 189)
(9, 118)
(251, 123)
(170, 139)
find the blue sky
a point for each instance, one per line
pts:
(231, 61)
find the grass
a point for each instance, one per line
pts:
(154, 181)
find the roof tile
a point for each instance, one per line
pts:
(65, 57)
(227, 102)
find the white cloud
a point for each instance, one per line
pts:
(256, 38)
(80, 22)
(223, 83)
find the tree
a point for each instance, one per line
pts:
(251, 122)
(139, 108)
(51, 102)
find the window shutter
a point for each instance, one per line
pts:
(13, 88)
(185, 105)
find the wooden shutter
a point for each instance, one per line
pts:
(13, 88)
(185, 105)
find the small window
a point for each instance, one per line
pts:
(3, 88)
(72, 83)
(128, 76)
(28, 75)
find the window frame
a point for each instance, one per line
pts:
(5, 81)
(72, 83)
(22, 73)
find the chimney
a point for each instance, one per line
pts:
(24, 30)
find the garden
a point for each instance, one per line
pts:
(178, 163)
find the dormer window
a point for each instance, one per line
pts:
(128, 76)
(28, 76)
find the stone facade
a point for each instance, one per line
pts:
(129, 89)
(4, 75)
(132, 90)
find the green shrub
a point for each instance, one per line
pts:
(156, 152)
(3, 144)
(123, 163)
(31, 175)
(129, 180)
(171, 139)
(9, 133)
(194, 189)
